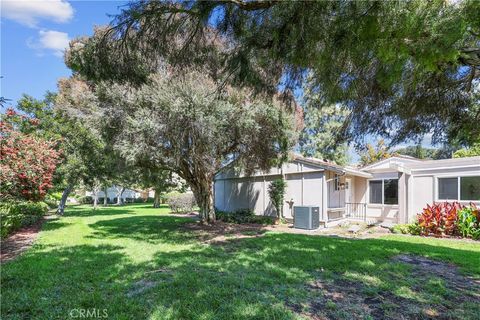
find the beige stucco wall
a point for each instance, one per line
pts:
(360, 190)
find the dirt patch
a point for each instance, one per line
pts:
(342, 299)
(21, 240)
(336, 297)
(193, 215)
(221, 232)
(425, 267)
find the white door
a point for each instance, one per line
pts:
(348, 190)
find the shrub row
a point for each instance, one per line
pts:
(445, 219)
(243, 216)
(14, 215)
(89, 200)
(181, 202)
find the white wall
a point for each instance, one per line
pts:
(421, 194)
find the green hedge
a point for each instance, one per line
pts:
(15, 215)
(85, 200)
(243, 216)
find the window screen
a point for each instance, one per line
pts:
(470, 188)
(391, 191)
(376, 191)
(448, 189)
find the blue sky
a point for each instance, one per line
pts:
(33, 35)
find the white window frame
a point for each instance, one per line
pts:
(437, 199)
(383, 191)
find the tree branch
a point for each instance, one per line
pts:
(250, 5)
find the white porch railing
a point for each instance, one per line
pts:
(354, 210)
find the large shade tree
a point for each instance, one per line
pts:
(188, 124)
(404, 68)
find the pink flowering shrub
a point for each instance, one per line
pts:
(27, 163)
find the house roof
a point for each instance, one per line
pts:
(446, 163)
(405, 164)
(331, 166)
(398, 158)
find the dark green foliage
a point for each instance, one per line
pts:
(426, 153)
(14, 215)
(473, 151)
(469, 222)
(410, 228)
(321, 135)
(85, 200)
(243, 216)
(276, 191)
(410, 66)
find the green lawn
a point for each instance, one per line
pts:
(140, 263)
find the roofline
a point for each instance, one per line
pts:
(390, 158)
(331, 166)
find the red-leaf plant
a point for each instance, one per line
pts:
(27, 162)
(439, 219)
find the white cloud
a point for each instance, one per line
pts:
(28, 12)
(51, 40)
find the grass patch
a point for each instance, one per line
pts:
(138, 262)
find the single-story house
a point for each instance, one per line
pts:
(112, 194)
(392, 190)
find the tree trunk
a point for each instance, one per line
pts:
(105, 198)
(63, 200)
(119, 196)
(203, 192)
(156, 198)
(95, 198)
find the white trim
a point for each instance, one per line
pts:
(446, 168)
(403, 160)
(446, 175)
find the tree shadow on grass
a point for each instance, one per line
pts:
(47, 283)
(88, 211)
(276, 276)
(280, 275)
(54, 224)
(149, 228)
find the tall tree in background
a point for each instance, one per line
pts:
(321, 135)
(83, 156)
(371, 154)
(473, 151)
(403, 68)
(161, 181)
(417, 151)
(183, 123)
